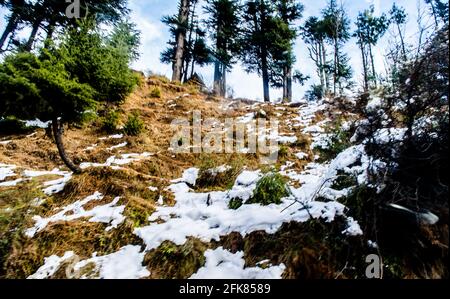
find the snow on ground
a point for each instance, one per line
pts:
(124, 144)
(109, 214)
(51, 265)
(222, 264)
(123, 264)
(37, 123)
(6, 171)
(114, 162)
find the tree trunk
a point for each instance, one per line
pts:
(373, 66)
(366, 79)
(218, 78)
(321, 67)
(34, 32)
(57, 134)
(289, 84)
(50, 30)
(181, 37)
(335, 75)
(265, 74)
(10, 28)
(402, 41)
(324, 66)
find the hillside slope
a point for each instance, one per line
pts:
(139, 210)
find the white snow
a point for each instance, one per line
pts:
(51, 265)
(115, 162)
(109, 214)
(5, 142)
(302, 155)
(118, 146)
(37, 123)
(189, 176)
(123, 264)
(11, 183)
(6, 171)
(222, 264)
(117, 136)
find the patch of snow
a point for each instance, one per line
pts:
(118, 146)
(222, 264)
(302, 155)
(37, 123)
(153, 189)
(6, 171)
(109, 214)
(51, 265)
(114, 162)
(353, 228)
(56, 186)
(11, 183)
(127, 263)
(117, 136)
(189, 176)
(5, 142)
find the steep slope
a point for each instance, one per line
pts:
(140, 210)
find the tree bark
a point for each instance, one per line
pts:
(402, 41)
(181, 37)
(57, 134)
(373, 66)
(366, 77)
(10, 28)
(34, 32)
(265, 75)
(324, 66)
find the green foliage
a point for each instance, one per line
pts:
(101, 61)
(12, 125)
(41, 87)
(338, 142)
(271, 188)
(134, 125)
(111, 121)
(155, 93)
(235, 203)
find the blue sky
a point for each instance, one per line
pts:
(147, 15)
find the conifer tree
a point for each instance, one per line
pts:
(62, 82)
(224, 23)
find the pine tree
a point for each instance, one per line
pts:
(18, 9)
(63, 82)
(398, 18)
(224, 23)
(314, 34)
(369, 31)
(288, 11)
(337, 29)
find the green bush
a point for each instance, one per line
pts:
(155, 93)
(134, 125)
(12, 125)
(270, 189)
(111, 121)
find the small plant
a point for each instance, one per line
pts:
(111, 121)
(338, 142)
(155, 93)
(235, 203)
(134, 125)
(270, 189)
(283, 151)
